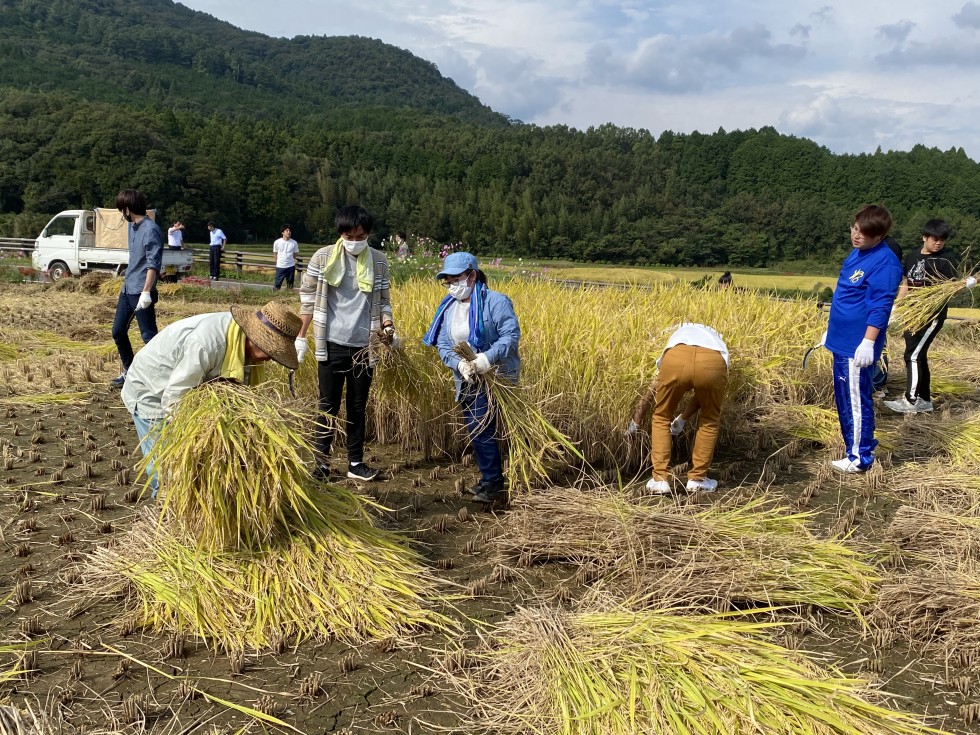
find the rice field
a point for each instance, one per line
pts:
(246, 599)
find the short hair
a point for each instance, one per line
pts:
(211, 223)
(873, 221)
(351, 217)
(284, 228)
(725, 277)
(937, 228)
(401, 234)
(131, 199)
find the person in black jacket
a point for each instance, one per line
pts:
(923, 267)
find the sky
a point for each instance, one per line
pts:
(851, 75)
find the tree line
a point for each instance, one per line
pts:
(607, 194)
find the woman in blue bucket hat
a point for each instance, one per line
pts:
(484, 319)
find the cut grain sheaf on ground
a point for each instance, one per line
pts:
(891, 621)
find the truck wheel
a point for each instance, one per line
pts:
(58, 270)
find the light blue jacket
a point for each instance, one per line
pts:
(500, 347)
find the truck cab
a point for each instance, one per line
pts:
(79, 240)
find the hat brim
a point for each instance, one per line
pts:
(451, 272)
(277, 346)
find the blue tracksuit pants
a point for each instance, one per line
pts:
(855, 409)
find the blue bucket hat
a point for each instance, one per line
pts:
(456, 263)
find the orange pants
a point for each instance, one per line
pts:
(684, 368)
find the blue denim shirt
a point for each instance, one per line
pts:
(145, 253)
(503, 334)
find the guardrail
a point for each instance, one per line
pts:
(239, 260)
(15, 244)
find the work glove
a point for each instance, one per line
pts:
(970, 283)
(864, 355)
(467, 368)
(482, 363)
(632, 428)
(677, 426)
(388, 335)
(301, 347)
(145, 301)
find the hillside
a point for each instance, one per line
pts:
(160, 53)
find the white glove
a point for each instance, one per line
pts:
(632, 428)
(396, 341)
(864, 355)
(482, 363)
(677, 426)
(301, 347)
(145, 301)
(970, 283)
(467, 368)
(388, 334)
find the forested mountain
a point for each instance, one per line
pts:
(606, 194)
(158, 52)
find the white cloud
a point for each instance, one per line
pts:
(851, 74)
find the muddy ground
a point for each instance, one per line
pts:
(70, 485)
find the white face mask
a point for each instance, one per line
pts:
(460, 291)
(355, 247)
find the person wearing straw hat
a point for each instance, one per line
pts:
(486, 320)
(695, 358)
(233, 345)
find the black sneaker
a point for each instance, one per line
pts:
(321, 473)
(475, 490)
(361, 471)
(492, 493)
(118, 382)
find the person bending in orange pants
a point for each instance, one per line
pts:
(695, 358)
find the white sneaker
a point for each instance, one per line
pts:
(879, 394)
(902, 405)
(707, 485)
(849, 466)
(658, 487)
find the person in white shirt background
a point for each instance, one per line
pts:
(175, 236)
(286, 249)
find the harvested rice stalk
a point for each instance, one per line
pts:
(939, 603)
(935, 485)
(915, 310)
(957, 440)
(233, 468)
(933, 534)
(813, 423)
(756, 553)
(617, 671)
(341, 578)
(43, 398)
(8, 352)
(111, 287)
(532, 441)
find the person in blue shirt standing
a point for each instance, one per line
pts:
(859, 312)
(139, 290)
(217, 247)
(472, 313)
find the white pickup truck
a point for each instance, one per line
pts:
(79, 240)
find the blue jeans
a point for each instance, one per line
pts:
(481, 424)
(146, 318)
(285, 274)
(148, 431)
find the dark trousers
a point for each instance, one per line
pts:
(344, 365)
(481, 424)
(285, 274)
(125, 311)
(917, 359)
(214, 262)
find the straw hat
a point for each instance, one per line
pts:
(273, 329)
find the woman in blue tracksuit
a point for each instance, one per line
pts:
(472, 313)
(859, 314)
